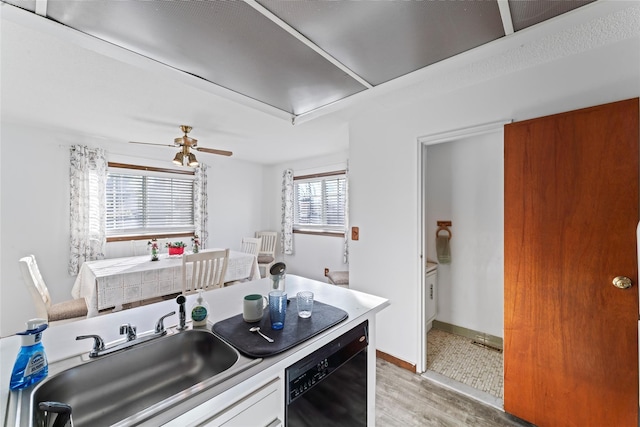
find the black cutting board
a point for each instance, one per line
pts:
(296, 330)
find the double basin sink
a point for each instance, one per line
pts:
(134, 384)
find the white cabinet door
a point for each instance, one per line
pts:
(263, 407)
(265, 412)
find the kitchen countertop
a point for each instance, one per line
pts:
(60, 343)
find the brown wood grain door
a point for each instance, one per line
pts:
(571, 212)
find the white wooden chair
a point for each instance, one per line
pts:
(251, 245)
(204, 270)
(339, 278)
(69, 309)
(267, 253)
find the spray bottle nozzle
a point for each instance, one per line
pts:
(34, 326)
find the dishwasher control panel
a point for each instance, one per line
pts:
(305, 381)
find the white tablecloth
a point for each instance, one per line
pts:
(112, 282)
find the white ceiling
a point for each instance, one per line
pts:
(61, 79)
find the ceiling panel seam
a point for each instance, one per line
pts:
(282, 24)
(505, 14)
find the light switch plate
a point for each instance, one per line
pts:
(355, 233)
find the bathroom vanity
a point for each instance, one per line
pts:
(256, 394)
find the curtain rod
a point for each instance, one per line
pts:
(320, 175)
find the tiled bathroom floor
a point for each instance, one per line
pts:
(457, 358)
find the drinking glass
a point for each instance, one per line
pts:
(305, 303)
(277, 308)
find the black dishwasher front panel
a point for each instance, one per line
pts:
(329, 387)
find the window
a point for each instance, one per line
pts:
(319, 202)
(148, 202)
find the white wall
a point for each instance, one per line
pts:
(236, 201)
(383, 159)
(35, 209)
(35, 216)
(465, 185)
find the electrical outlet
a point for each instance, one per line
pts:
(326, 272)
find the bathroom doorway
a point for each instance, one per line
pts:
(462, 182)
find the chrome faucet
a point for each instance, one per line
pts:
(129, 330)
(160, 324)
(98, 344)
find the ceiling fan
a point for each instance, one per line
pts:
(186, 143)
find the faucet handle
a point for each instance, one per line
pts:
(98, 343)
(160, 323)
(128, 329)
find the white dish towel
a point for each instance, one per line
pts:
(443, 250)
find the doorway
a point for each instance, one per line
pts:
(462, 182)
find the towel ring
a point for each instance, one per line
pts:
(442, 228)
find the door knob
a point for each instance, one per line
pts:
(622, 282)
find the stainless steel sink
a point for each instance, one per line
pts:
(142, 380)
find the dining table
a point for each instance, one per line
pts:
(110, 283)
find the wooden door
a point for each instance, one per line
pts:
(571, 211)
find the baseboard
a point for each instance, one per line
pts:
(395, 361)
(480, 337)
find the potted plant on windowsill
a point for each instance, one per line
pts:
(175, 248)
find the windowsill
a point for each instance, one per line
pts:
(149, 236)
(320, 233)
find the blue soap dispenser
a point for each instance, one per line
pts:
(31, 364)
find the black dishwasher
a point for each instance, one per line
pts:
(329, 386)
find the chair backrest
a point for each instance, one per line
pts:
(36, 286)
(269, 240)
(251, 245)
(204, 270)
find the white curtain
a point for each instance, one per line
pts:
(200, 205)
(88, 176)
(287, 212)
(345, 255)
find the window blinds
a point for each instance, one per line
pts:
(320, 204)
(146, 204)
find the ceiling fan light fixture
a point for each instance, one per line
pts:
(186, 144)
(193, 162)
(178, 159)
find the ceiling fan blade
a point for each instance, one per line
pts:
(213, 151)
(152, 143)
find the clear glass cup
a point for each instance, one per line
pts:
(305, 303)
(277, 309)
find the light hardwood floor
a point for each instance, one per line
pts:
(406, 399)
